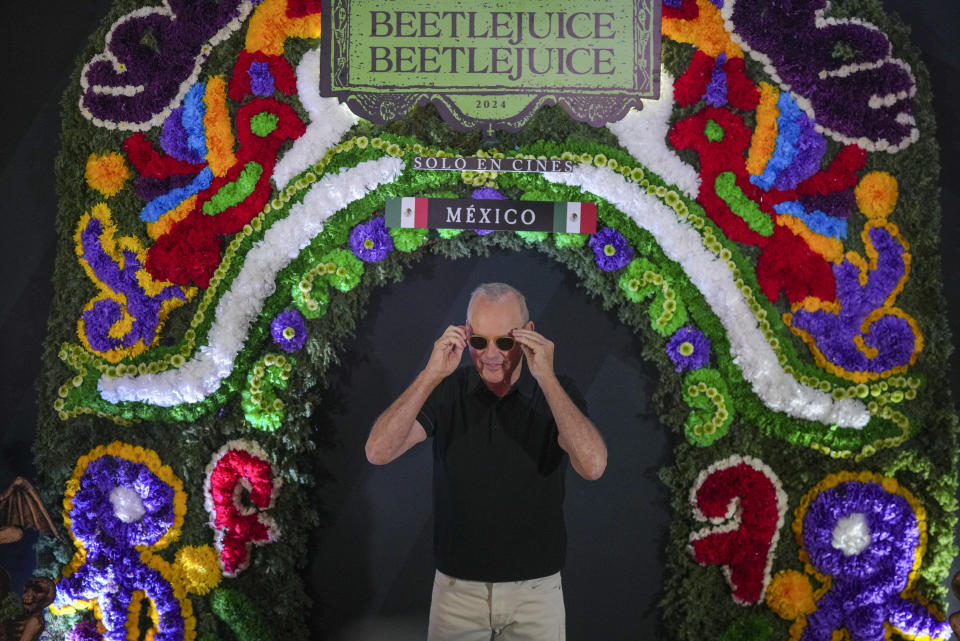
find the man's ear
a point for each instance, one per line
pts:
(529, 325)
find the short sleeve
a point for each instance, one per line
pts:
(428, 415)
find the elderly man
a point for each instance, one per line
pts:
(502, 434)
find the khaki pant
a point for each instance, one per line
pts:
(510, 611)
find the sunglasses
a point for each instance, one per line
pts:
(503, 343)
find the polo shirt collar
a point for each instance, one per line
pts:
(526, 385)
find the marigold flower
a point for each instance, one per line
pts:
(877, 194)
(790, 595)
(199, 568)
(107, 173)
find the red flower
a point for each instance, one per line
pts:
(786, 263)
(190, 252)
(239, 527)
(744, 496)
(742, 94)
(150, 163)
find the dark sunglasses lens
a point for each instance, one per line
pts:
(505, 343)
(478, 342)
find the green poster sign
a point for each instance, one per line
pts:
(491, 63)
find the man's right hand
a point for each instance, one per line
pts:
(447, 351)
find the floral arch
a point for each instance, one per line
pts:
(221, 229)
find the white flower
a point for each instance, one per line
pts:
(644, 134)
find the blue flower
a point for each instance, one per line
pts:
(370, 241)
(289, 331)
(688, 348)
(610, 249)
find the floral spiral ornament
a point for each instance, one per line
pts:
(863, 537)
(123, 505)
(238, 468)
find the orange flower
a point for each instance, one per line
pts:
(790, 595)
(107, 173)
(877, 194)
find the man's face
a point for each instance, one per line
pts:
(492, 319)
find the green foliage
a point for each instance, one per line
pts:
(241, 614)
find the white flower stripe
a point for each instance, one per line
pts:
(778, 390)
(329, 120)
(644, 134)
(238, 308)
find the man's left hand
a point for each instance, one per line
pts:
(538, 350)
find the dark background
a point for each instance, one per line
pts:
(372, 567)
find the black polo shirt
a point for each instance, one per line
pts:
(498, 478)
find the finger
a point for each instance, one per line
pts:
(532, 341)
(529, 333)
(456, 334)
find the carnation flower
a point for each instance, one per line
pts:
(107, 173)
(370, 241)
(610, 249)
(289, 331)
(688, 348)
(790, 595)
(199, 567)
(877, 194)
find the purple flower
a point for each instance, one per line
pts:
(178, 48)
(869, 564)
(370, 241)
(289, 330)
(486, 193)
(891, 339)
(610, 249)
(842, 102)
(121, 507)
(261, 80)
(86, 630)
(104, 313)
(717, 89)
(688, 348)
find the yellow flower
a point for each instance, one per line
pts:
(790, 595)
(877, 194)
(107, 173)
(199, 568)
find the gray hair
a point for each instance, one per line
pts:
(496, 291)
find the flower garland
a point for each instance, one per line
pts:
(107, 385)
(683, 245)
(202, 375)
(897, 418)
